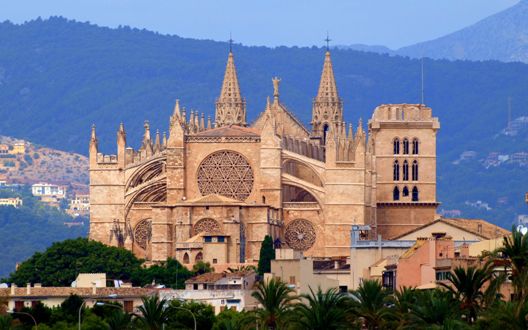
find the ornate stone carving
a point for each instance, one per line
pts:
(143, 233)
(226, 173)
(206, 225)
(300, 234)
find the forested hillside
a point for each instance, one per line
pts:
(57, 77)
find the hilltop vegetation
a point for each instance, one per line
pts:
(79, 74)
(32, 227)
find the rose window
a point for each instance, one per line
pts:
(143, 233)
(300, 234)
(225, 173)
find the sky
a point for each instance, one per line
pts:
(392, 23)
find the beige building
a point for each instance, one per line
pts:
(214, 188)
(90, 287)
(302, 274)
(220, 290)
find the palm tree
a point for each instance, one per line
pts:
(515, 247)
(505, 315)
(5, 322)
(119, 320)
(275, 298)
(153, 312)
(433, 308)
(404, 299)
(324, 310)
(369, 303)
(467, 287)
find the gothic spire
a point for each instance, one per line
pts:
(327, 106)
(230, 106)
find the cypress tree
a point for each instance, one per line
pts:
(267, 253)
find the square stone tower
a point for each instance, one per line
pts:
(404, 167)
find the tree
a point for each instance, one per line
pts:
(434, 308)
(5, 322)
(232, 320)
(170, 273)
(515, 247)
(181, 317)
(119, 320)
(467, 287)
(153, 312)
(369, 303)
(324, 310)
(275, 298)
(60, 264)
(267, 253)
(202, 267)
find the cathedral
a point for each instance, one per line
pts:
(213, 189)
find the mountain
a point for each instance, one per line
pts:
(57, 77)
(502, 37)
(42, 164)
(368, 48)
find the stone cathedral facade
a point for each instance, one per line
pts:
(212, 190)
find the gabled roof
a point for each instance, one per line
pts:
(214, 199)
(231, 130)
(478, 227)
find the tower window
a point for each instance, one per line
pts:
(405, 146)
(415, 146)
(405, 171)
(415, 171)
(405, 191)
(396, 194)
(396, 146)
(396, 171)
(415, 194)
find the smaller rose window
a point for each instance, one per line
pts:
(300, 234)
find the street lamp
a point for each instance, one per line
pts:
(112, 296)
(27, 314)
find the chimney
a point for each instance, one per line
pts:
(13, 287)
(94, 288)
(464, 251)
(336, 264)
(28, 289)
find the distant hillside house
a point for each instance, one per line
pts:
(48, 190)
(13, 201)
(80, 205)
(4, 149)
(18, 148)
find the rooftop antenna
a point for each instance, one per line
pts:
(422, 73)
(230, 43)
(327, 41)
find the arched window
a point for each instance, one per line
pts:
(396, 194)
(415, 171)
(396, 144)
(405, 171)
(415, 146)
(325, 131)
(396, 171)
(199, 257)
(405, 191)
(415, 194)
(405, 146)
(186, 258)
